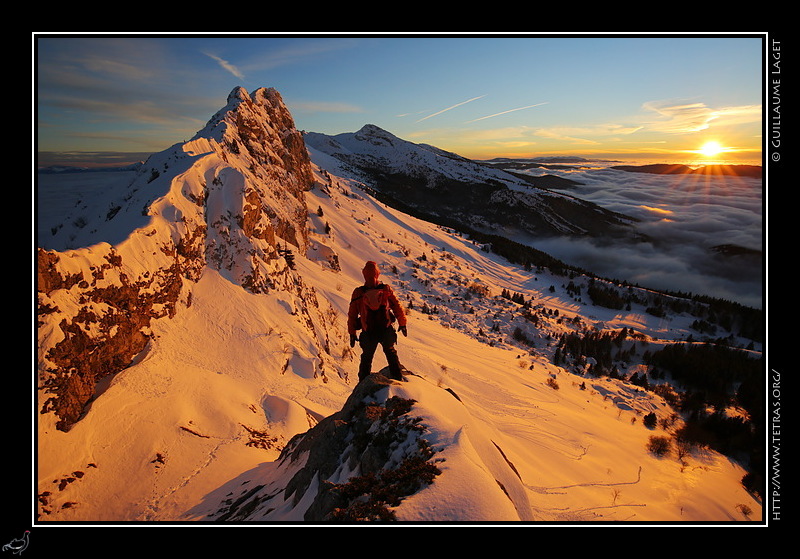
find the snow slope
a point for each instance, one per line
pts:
(203, 412)
(174, 427)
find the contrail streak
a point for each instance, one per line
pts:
(508, 111)
(453, 107)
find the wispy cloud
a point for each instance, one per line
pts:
(681, 116)
(740, 114)
(268, 55)
(583, 134)
(451, 107)
(403, 115)
(226, 65)
(304, 51)
(506, 112)
(564, 136)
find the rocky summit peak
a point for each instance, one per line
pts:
(371, 132)
(231, 199)
(238, 93)
(260, 127)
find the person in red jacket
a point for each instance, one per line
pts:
(373, 310)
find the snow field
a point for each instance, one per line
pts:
(168, 437)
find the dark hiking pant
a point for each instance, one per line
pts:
(369, 341)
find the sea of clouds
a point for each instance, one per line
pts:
(684, 216)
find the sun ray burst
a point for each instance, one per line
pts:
(711, 148)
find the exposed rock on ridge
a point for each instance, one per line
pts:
(230, 198)
(374, 445)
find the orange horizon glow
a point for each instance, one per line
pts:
(710, 152)
(685, 157)
(713, 152)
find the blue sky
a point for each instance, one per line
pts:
(659, 98)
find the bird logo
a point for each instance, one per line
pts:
(18, 545)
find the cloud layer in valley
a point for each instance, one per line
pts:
(684, 217)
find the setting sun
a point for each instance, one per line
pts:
(712, 148)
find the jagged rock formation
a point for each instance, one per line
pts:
(373, 445)
(260, 131)
(231, 199)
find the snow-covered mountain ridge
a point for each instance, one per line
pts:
(456, 191)
(192, 349)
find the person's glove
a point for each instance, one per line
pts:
(352, 340)
(404, 330)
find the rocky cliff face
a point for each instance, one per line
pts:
(231, 199)
(256, 137)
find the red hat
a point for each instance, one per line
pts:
(371, 272)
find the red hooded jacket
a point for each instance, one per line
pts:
(371, 296)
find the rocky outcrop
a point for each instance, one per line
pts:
(357, 463)
(106, 328)
(256, 136)
(231, 198)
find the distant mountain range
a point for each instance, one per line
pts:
(453, 190)
(57, 169)
(755, 171)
